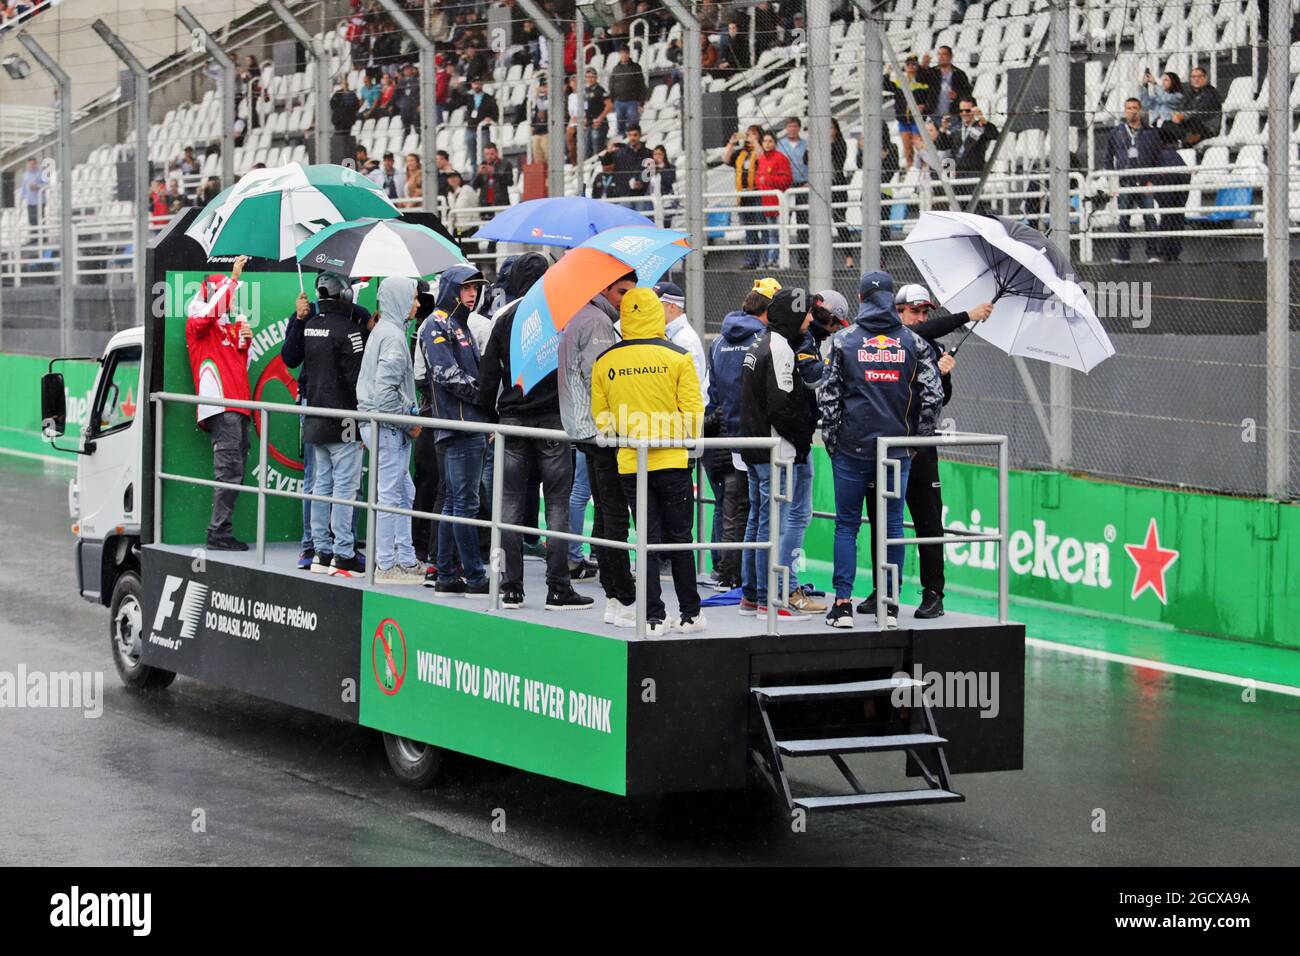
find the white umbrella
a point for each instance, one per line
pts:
(1039, 311)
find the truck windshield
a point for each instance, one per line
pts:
(116, 403)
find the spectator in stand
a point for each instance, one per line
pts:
(408, 98)
(950, 84)
(386, 383)
(32, 191)
(159, 206)
(386, 104)
(507, 402)
(369, 93)
(360, 158)
(389, 178)
(538, 123)
(608, 184)
(743, 153)
(734, 48)
(795, 149)
(633, 162)
(494, 178)
(344, 107)
(1201, 114)
(627, 87)
(189, 165)
(210, 190)
(663, 177)
(442, 88)
(709, 56)
(645, 387)
(414, 177)
(175, 198)
(766, 27)
(576, 120)
(839, 188)
(1133, 145)
(909, 134)
(218, 352)
(599, 106)
(443, 159)
(461, 200)
(970, 142)
(1161, 103)
(1173, 205)
(773, 175)
(480, 111)
(386, 47)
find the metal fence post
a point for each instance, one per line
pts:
(496, 557)
(372, 516)
(428, 100)
(1058, 165)
(199, 33)
(1004, 529)
(879, 528)
(642, 536)
(580, 91)
(557, 101)
(140, 230)
(67, 245)
(262, 442)
(872, 144)
(322, 60)
(1277, 255)
(157, 470)
(693, 147)
(818, 233)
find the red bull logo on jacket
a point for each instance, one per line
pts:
(882, 349)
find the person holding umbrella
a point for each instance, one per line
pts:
(924, 495)
(881, 380)
(539, 407)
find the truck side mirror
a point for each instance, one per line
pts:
(54, 411)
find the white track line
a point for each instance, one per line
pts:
(32, 456)
(1162, 666)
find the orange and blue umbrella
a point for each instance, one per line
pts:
(572, 282)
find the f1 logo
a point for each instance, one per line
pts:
(192, 605)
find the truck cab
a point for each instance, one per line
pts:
(104, 496)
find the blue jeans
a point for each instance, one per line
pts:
(754, 561)
(794, 524)
(596, 138)
(337, 471)
(462, 474)
(578, 499)
(308, 475)
(855, 486)
(628, 113)
(395, 489)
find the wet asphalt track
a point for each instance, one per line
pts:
(1185, 772)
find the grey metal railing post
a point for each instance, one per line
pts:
(1277, 257)
(496, 557)
(261, 484)
(642, 536)
(580, 91)
(818, 233)
(428, 99)
(322, 60)
(557, 101)
(67, 243)
(200, 33)
(693, 148)
(157, 470)
(879, 529)
(701, 476)
(372, 517)
(773, 535)
(1004, 523)
(872, 144)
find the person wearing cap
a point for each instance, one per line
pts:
(774, 402)
(218, 352)
(880, 381)
(726, 469)
(682, 333)
(332, 341)
(645, 387)
(390, 178)
(590, 332)
(924, 497)
(386, 383)
(447, 348)
(527, 459)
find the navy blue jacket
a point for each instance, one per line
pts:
(881, 380)
(293, 349)
(451, 355)
(1117, 147)
(740, 330)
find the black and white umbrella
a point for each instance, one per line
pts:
(379, 247)
(1039, 311)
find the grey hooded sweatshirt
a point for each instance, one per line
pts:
(386, 382)
(589, 333)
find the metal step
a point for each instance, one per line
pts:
(858, 745)
(862, 688)
(846, 801)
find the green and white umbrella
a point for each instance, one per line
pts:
(374, 247)
(269, 212)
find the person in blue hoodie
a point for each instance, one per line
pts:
(452, 359)
(727, 475)
(881, 380)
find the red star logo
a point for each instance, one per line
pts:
(1152, 562)
(128, 405)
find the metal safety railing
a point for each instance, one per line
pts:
(641, 547)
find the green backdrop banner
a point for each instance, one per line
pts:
(544, 699)
(20, 403)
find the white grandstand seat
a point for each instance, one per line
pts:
(1245, 129)
(1241, 95)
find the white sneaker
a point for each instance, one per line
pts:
(393, 575)
(413, 573)
(658, 628)
(611, 609)
(624, 615)
(690, 625)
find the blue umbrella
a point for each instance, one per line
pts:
(569, 284)
(566, 221)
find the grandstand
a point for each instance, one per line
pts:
(1218, 213)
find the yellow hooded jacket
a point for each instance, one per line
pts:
(645, 386)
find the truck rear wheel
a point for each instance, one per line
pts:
(415, 764)
(126, 635)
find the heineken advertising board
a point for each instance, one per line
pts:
(543, 699)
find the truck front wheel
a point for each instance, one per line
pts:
(414, 764)
(126, 634)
